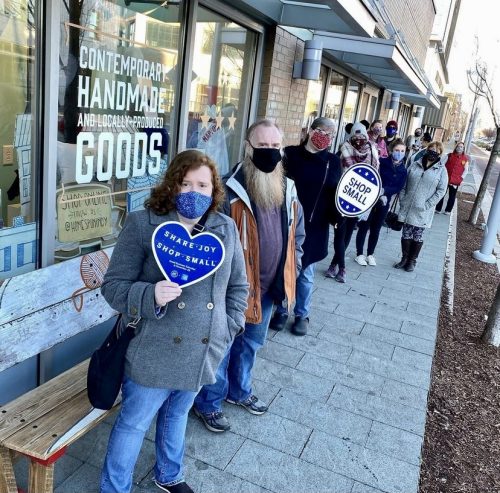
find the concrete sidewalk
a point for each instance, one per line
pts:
(347, 401)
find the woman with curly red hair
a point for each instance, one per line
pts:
(184, 332)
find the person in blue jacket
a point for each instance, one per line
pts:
(393, 174)
(316, 173)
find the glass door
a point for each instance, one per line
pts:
(223, 61)
(19, 91)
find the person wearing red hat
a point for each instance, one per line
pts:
(391, 132)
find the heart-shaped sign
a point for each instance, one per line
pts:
(183, 258)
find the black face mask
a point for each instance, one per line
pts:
(432, 156)
(266, 158)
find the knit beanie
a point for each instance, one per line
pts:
(392, 123)
(358, 129)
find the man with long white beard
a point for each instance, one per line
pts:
(265, 207)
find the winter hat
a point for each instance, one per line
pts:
(358, 129)
(392, 123)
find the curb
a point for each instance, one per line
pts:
(449, 258)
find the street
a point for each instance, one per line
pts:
(481, 158)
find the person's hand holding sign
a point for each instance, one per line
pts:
(166, 291)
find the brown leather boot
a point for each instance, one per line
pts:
(405, 249)
(416, 246)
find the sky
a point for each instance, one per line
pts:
(477, 18)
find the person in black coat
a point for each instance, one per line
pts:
(316, 173)
(393, 174)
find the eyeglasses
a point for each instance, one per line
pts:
(324, 132)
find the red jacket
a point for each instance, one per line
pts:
(455, 166)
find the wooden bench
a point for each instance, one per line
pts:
(37, 311)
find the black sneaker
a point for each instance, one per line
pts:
(278, 322)
(299, 327)
(181, 487)
(252, 404)
(215, 422)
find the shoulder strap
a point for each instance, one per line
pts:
(200, 225)
(394, 203)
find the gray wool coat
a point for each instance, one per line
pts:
(180, 347)
(422, 192)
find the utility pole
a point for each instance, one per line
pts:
(485, 254)
(468, 134)
(477, 87)
(470, 130)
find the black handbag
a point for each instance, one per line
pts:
(391, 220)
(107, 365)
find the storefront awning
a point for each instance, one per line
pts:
(382, 62)
(350, 17)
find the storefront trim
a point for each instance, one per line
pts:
(49, 132)
(232, 14)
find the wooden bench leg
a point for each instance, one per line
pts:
(7, 478)
(41, 478)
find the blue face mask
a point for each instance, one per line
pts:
(192, 204)
(391, 131)
(398, 155)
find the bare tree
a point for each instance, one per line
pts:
(480, 85)
(491, 334)
(489, 132)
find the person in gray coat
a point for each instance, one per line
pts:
(425, 186)
(184, 332)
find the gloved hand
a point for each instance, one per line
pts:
(383, 199)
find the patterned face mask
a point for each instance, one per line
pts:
(320, 140)
(358, 143)
(192, 204)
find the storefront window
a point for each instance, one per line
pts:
(351, 103)
(363, 110)
(403, 119)
(117, 89)
(373, 106)
(18, 214)
(313, 101)
(333, 103)
(221, 77)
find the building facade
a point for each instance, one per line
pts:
(97, 96)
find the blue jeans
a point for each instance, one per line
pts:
(304, 291)
(139, 406)
(234, 375)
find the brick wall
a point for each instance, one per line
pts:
(283, 99)
(414, 18)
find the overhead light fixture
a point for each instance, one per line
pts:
(310, 66)
(306, 4)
